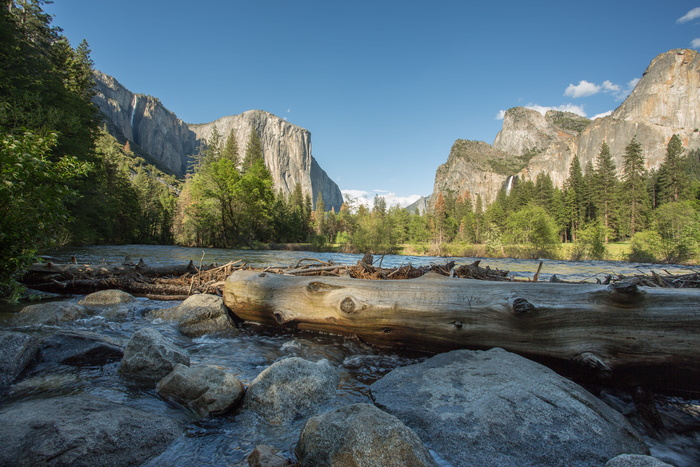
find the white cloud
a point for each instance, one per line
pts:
(609, 86)
(695, 43)
(582, 89)
(691, 15)
(500, 114)
(367, 198)
(604, 114)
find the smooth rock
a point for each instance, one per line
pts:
(198, 315)
(265, 456)
(150, 357)
(291, 389)
(206, 390)
(107, 298)
(17, 350)
(50, 314)
(80, 348)
(635, 460)
(494, 408)
(81, 431)
(360, 435)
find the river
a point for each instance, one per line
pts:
(222, 441)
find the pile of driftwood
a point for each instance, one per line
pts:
(158, 283)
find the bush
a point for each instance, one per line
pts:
(646, 247)
(591, 243)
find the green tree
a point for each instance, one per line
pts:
(672, 178)
(253, 151)
(34, 192)
(534, 228)
(575, 200)
(230, 149)
(605, 189)
(635, 200)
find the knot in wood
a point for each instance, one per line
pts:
(522, 306)
(457, 324)
(347, 305)
(627, 288)
(321, 287)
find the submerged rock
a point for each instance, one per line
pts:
(360, 435)
(495, 408)
(80, 348)
(17, 350)
(290, 389)
(150, 357)
(206, 390)
(198, 315)
(81, 431)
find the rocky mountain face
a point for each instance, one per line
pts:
(287, 152)
(170, 143)
(666, 101)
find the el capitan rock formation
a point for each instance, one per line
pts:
(169, 142)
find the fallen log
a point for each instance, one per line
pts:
(619, 330)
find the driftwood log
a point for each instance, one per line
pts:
(621, 331)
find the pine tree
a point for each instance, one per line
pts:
(230, 149)
(672, 179)
(605, 186)
(575, 197)
(634, 188)
(253, 150)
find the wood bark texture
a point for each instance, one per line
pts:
(604, 328)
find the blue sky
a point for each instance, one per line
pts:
(384, 86)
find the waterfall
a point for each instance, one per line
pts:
(509, 183)
(134, 101)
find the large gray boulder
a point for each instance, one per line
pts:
(112, 304)
(150, 357)
(360, 435)
(198, 315)
(17, 350)
(80, 348)
(206, 390)
(494, 408)
(50, 314)
(291, 389)
(81, 431)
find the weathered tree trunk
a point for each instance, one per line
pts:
(619, 329)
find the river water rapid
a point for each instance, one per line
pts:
(228, 439)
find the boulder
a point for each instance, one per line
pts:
(50, 314)
(198, 315)
(150, 357)
(291, 389)
(115, 305)
(80, 348)
(496, 408)
(206, 390)
(265, 456)
(17, 350)
(635, 460)
(360, 435)
(81, 430)
(107, 298)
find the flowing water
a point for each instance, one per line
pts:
(228, 439)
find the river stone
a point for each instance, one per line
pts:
(150, 357)
(635, 460)
(81, 430)
(198, 315)
(17, 350)
(360, 435)
(107, 298)
(206, 390)
(291, 389)
(50, 314)
(265, 456)
(80, 348)
(495, 408)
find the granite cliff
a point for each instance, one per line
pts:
(665, 101)
(163, 139)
